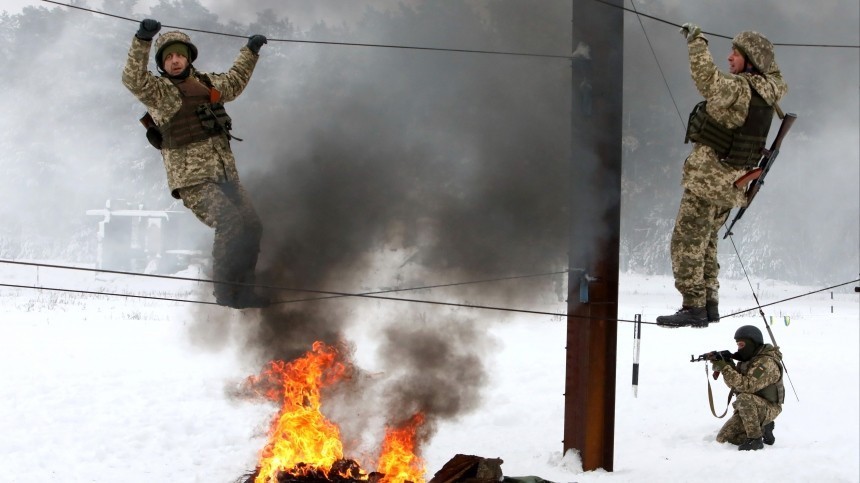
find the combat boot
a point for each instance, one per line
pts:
(751, 444)
(767, 433)
(225, 294)
(686, 317)
(712, 308)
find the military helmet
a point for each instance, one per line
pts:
(757, 49)
(169, 38)
(750, 332)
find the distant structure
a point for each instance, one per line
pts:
(134, 239)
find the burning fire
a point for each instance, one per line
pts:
(398, 461)
(301, 439)
(303, 442)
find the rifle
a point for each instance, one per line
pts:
(756, 176)
(713, 356)
(710, 357)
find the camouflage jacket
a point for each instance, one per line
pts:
(198, 162)
(761, 375)
(728, 97)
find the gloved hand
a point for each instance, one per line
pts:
(148, 29)
(720, 364)
(725, 355)
(690, 31)
(255, 42)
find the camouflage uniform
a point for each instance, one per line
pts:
(709, 191)
(752, 381)
(203, 173)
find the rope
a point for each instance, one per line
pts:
(371, 295)
(109, 294)
(657, 61)
(321, 42)
(782, 44)
(436, 49)
(760, 311)
(789, 298)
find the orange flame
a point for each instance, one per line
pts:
(398, 461)
(301, 439)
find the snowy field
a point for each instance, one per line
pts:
(108, 389)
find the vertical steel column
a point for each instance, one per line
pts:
(595, 184)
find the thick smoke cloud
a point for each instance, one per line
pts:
(456, 165)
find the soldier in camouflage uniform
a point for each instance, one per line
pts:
(740, 102)
(757, 382)
(191, 128)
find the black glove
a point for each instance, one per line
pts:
(148, 29)
(255, 42)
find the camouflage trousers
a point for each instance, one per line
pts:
(751, 413)
(694, 249)
(227, 208)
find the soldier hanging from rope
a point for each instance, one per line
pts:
(729, 130)
(186, 120)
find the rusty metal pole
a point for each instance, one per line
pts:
(595, 184)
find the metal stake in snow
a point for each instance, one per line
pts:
(637, 336)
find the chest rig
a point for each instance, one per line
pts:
(201, 116)
(741, 147)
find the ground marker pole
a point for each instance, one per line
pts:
(637, 336)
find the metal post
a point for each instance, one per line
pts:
(637, 339)
(595, 187)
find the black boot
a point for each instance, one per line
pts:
(225, 294)
(686, 317)
(751, 444)
(712, 307)
(767, 433)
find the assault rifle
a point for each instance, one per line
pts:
(713, 356)
(755, 177)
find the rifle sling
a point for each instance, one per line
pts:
(711, 397)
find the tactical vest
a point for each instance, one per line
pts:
(774, 393)
(741, 147)
(198, 118)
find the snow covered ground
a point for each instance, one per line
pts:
(107, 389)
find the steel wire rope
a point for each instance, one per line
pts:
(437, 49)
(328, 294)
(657, 61)
(344, 294)
(760, 311)
(781, 44)
(324, 42)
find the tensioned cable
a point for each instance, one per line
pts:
(760, 311)
(425, 287)
(322, 42)
(759, 306)
(108, 294)
(328, 294)
(437, 49)
(783, 44)
(344, 294)
(657, 61)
